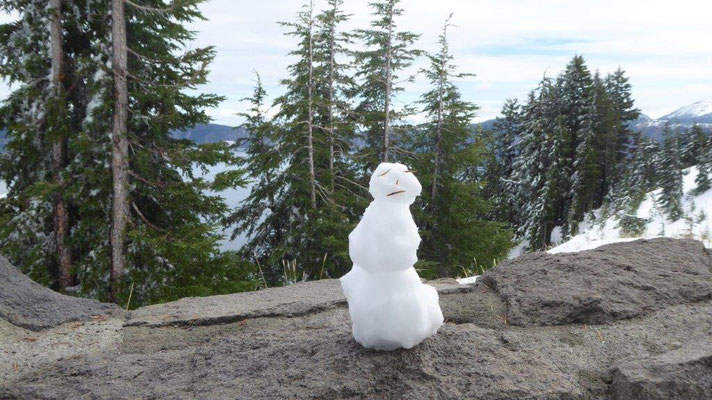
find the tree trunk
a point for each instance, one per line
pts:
(60, 214)
(120, 148)
(387, 108)
(438, 130)
(310, 117)
(332, 130)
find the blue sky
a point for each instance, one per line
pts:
(665, 47)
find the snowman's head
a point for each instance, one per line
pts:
(394, 183)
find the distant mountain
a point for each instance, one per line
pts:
(201, 133)
(210, 133)
(699, 112)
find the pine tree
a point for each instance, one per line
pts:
(379, 67)
(580, 112)
(704, 168)
(451, 219)
(530, 168)
(506, 130)
(39, 115)
(670, 170)
(606, 139)
(694, 143)
(169, 248)
(335, 85)
(624, 112)
(303, 221)
(640, 177)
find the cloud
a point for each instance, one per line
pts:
(664, 47)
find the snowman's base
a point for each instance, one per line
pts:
(390, 310)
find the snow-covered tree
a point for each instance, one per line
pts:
(530, 167)
(694, 146)
(507, 130)
(640, 176)
(704, 168)
(670, 175)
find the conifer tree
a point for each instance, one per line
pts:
(379, 69)
(38, 115)
(670, 172)
(704, 169)
(168, 247)
(579, 111)
(335, 85)
(506, 131)
(451, 219)
(694, 146)
(57, 130)
(623, 108)
(640, 177)
(530, 168)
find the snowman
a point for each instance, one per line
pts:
(389, 306)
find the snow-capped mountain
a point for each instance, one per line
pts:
(699, 112)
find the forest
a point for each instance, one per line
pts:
(104, 202)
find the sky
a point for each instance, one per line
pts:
(665, 47)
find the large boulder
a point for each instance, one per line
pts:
(645, 338)
(27, 304)
(685, 373)
(609, 283)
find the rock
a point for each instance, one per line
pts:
(29, 305)
(295, 342)
(609, 283)
(287, 301)
(685, 373)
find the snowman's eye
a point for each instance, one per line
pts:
(389, 170)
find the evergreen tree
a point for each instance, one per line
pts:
(580, 112)
(530, 168)
(506, 130)
(379, 67)
(258, 216)
(294, 217)
(168, 245)
(455, 234)
(640, 177)
(39, 115)
(694, 146)
(704, 168)
(624, 112)
(335, 86)
(670, 172)
(606, 139)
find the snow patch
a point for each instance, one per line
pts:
(696, 223)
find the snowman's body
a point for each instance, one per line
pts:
(388, 304)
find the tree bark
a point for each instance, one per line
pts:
(310, 117)
(439, 127)
(120, 148)
(60, 214)
(332, 49)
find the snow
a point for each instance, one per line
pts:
(468, 281)
(696, 224)
(696, 109)
(389, 306)
(3, 190)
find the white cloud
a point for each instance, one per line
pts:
(664, 46)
